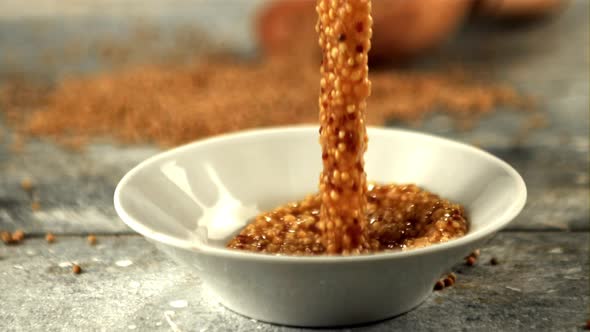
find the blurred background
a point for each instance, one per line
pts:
(79, 71)
(89, 88)
(128, 78)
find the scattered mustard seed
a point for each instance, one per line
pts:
(76, 269)
(50, 238)
(453, 276)
(91, 240)
(448, 281)
(18, 236)
(494, 261)
(35, 206)
(439, 285)
(27, 184)
(471, 259)
(344, 88)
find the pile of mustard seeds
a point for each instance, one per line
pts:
(169, 106)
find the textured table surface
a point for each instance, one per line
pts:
(542, 281)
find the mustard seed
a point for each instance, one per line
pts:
(50, 238)
(76, 269)
(448, 282)
(470, 261)
(346, 88)
(18, 236)
(91, 239)
(27, 184)
(494, 261)
(391, 207)
(453, 276)
(439, 285)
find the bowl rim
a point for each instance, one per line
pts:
(470, 238)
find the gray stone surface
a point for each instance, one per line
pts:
(75, 189)
(541, 284)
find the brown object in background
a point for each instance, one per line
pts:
(345, 39)
(519, 9)
(402, 29)
(285, 27)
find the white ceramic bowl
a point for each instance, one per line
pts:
(192, 199)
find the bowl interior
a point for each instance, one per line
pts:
(203, 193)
